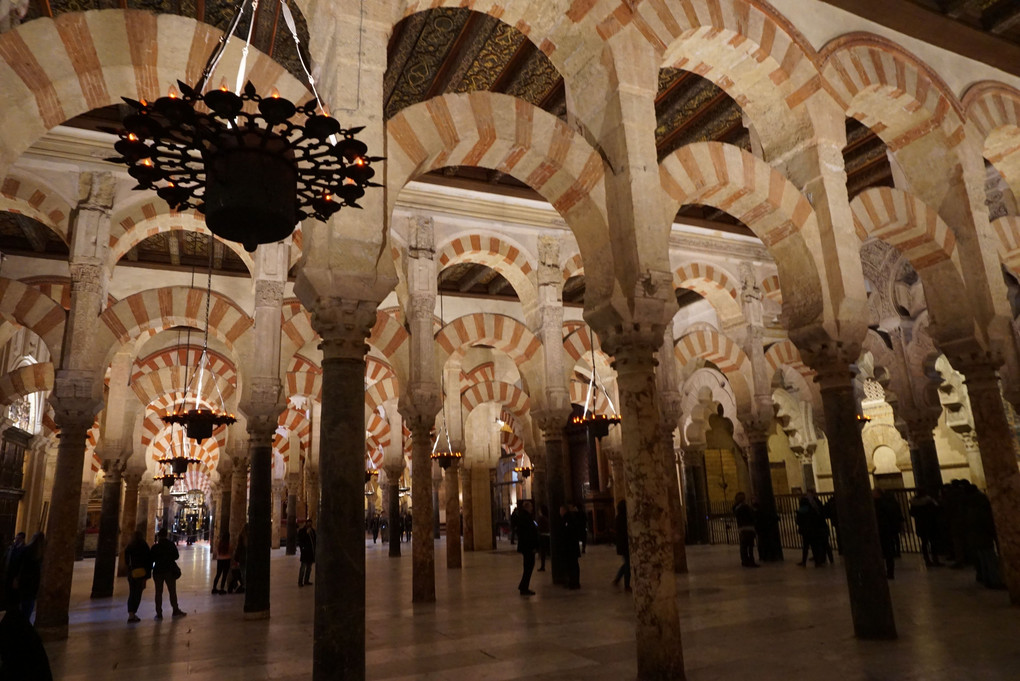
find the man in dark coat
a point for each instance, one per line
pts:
(306, 542)
(527, 545)
(890, 524)
(744, 515)
(138, 557)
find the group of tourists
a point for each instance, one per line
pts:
(532, 535)
(22, 655)
(158, 562)
(21, 569)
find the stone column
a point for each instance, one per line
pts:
(392, 496)
(293, 483)
(997, 443)
(469, 513)
(667, 380)
(312, 493)
(82, 518)
(105, 569)
(223, 507)
(923, 453)
(453, 556)
(696, 492)
(263, 410)
(552, 422)
(129, 515)
(339, 630)
(437, 482)
(769, 544)
(649, 486)
(65, 510)
(147, 509)
(238, 493)
(870, 603)
(279, 491)
(426, 403)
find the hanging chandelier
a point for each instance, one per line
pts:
(253, 165)
(523, 471)
(596, 424)
(178, 461)
(166, 476)
(445, 457)
(198, 421)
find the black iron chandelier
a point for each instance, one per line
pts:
(596, 424)
(523, 471)
(199, 421)
(253, 165)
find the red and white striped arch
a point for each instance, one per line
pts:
(30, 308)
(723, 353)
(785, 354)
(713, 284)
(297, 329)
(52, 70)
(906, 223)
(389, 338)
(739, 183)
(772, 288)
(994, 108)
(486, 371)
(502, 332)
(1007, 232)
(174, 357)
(32, 197)
(573, 267)
(304, 378)
(512, 398)
(381, 392)
(25, 380)
(495, 252)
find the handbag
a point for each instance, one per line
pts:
(138, 573)
(177, 571)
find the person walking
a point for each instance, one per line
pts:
(237, 563)
(622, 545)
(527, 545)
(222, 564)
(744, 515)
(166, 571)
(306, 542)
(138, 557)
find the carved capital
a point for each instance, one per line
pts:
(75, 400)
(551, 421)
(419, 405)
(268, 293)
(87, 278)
(832, 362)
(343, 326)
(421, 306)
(132, 478)
(422, 240)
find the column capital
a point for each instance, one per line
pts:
(921, 423)
(74, 399)
(551, 421)
(831, 360)
(419, 405)
(262, 406)
(756, 427)
(133, 477)
(343, 325)
(268, 293)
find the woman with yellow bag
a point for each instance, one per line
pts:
(139, 561)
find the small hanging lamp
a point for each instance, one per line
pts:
(597, 424)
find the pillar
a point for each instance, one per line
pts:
(469, 513)
(769, 544)
(670, 411)
(696, 494)
(453, 555)
(997, 443)
(870, 603)
(551, 422)
(263, 411)
(129, 515)
(238, 493)
(82, 518)
(338, 649)
(312, 493)
(392, 494)
(105, 568)
(923, 453)
(437, 482)
(423, 560)
(649, 487)
(279, 493)
(223, 508)
(292, 514)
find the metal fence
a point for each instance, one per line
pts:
(723, 527)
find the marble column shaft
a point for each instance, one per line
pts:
(104, 572)
(770, 546)
(393, 508)
(556, 488)
(61, 531)
(260, 523)
(339, 630)
(452, 482)
(238, 498)
(128, 516)
(469, 512)
(870, 602)
(697, 495)
(292, 518)
(423, 581)
(649, 485)
(223, 510)
(997, 443)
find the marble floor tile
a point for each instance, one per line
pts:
(779, 622)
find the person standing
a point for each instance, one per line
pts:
(222, 564)
(166, 571)
(138, 557)
(924, 510)
(622, 545)
(12, 566)
(543, 535)
(31, 573)
(237, 564)
(306, 542)
(744, 515)
(527, 545)
(568, 548)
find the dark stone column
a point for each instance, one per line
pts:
(104, 572)
(469, 512)
(870, 603)
(292, 519)
(453, 555)
(223, 509)
(924, 455)
(669, 414)
(997, 442)
(128, 516)
(551, 422)
(393, 506)
(437, 480)
(260, 515)
(769, 544)
(82, 522)
(423, 558)
(238, 496)
(339, 632)
(696, 495)
(62, 526)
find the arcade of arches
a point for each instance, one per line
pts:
(768, 225)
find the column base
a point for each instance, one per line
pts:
(58, 633)
(101, 594)
(258, 615)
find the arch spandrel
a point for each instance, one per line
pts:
(497, 252)
(732, 180)
(502, 333)
(25, 381)
(34, 198)
(30, 308)
(712, 283)
(724, 354)
(994, 109)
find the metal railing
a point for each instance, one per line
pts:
(723, 527)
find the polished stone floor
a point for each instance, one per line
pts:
(778, 622)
